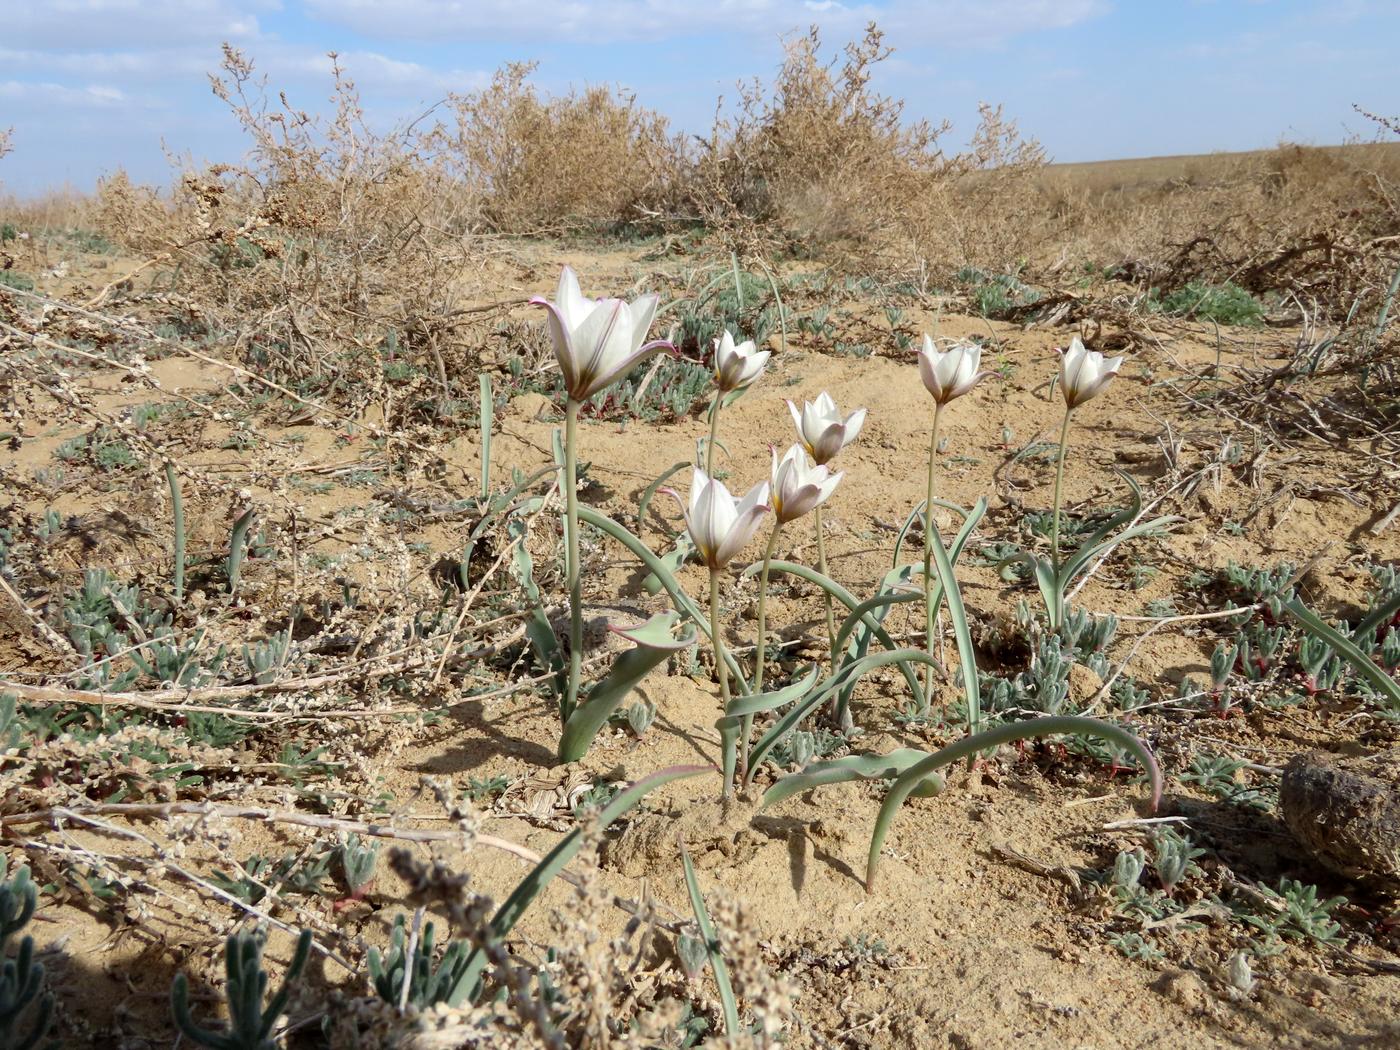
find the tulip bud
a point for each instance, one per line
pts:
(597, 342)
(951, 373)
(797, 488)
(821, 428)
(737, 366)
(1084, 373)
(693, 955)
(719, 525)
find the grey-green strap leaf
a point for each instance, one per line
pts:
(679, 598)
(851, 767)
(846, 674)
(967, 656)
(468, 983)
(654, 643)
(713, 952)
(845, 598)
(917, 773)
(1346, 649)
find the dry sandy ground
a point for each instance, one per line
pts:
(977, 952)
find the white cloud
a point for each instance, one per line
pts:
(160, 63)
(380, 72)
(32, 92)
(600, 21)
(286, 65)
(137, 25)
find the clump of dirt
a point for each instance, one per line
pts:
(1346, 811)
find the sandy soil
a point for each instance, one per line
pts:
(975, 951)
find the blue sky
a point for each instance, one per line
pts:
(91, 85)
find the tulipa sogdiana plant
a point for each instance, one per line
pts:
(797, 489)
(946, 374)
(596, 342)
(1083, 375)
(823, 434)
(913, 772)
(737, 367)
(720, 527)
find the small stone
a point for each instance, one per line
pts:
(1083, 682)
(531, 406)
(1346, 812)
(1184, 988)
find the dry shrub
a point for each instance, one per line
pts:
(132, 215)
(821, 160)
(331, 253)
(586, 159)
(1310, 222)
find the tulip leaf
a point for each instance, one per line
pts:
(649, 494)
(468, 984)
(888, 594)
(655, 642)
(713, 951)
(1087, 552)
(746, 706)
(962, 632)
(673, 559)
(538, 630)
(876, 606)
(1346, 649)
(917, 514)
(679, 598)
(1127, 514)
(728, 400)
(812, 701)
(845, 598)
(852, 767)
(917, 773)
(658, 632)
(487, 411)
(1382, 613)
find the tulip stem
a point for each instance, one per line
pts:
(761, 648)
(722, 673)
(1059, 486)
(826, 595)
(571, 565)
(714, 431)
(760, 653)
(930, 538)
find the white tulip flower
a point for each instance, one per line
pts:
(737, 366)
(597, 341)
(1084, 373)
(950, 373)
(821, 428)
(719, 525)
(797, 488)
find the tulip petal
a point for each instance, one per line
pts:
(602, 338)
(643, 310)
(563, 344)
(853, 426)
(621, 368)
(572, 305)
(747, 518)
